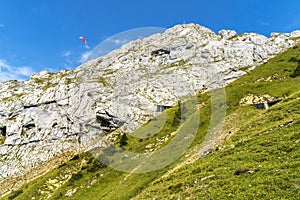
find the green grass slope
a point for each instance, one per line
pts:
(258, 157)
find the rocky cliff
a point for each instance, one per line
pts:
(72, 111)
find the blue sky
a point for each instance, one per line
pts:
(44, 34)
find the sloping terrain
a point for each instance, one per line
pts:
(48, 119)
(258, 156)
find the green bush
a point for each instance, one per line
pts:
(296, 71)
(15, 194)
(123, 140)
(95, 166)
(75, 177)
(2, 139)
(293, 59)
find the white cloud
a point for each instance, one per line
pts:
(8, 72)
(24, 71)
(263, 23)
(119, 41)
(67, 53)
(293, 24)
(85, 57)
(3, 65)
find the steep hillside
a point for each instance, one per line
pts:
(256, 157)
(46, 120)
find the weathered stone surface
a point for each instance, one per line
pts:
(72, 110)
(227, 34)
(295, 34)
(254, 99)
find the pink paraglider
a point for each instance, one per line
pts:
(82, 39)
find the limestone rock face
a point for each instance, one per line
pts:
(227, 34)
(295, 34)
(71, 111)
(254, 99)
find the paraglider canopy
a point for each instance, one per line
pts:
(82, 39)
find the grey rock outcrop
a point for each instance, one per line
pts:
(74, 110)
(227, 34)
